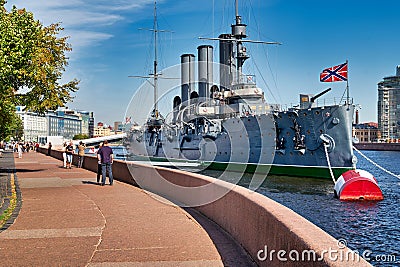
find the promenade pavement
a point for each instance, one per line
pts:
(67, 219)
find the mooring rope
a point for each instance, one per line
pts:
(376, 164)
(329, 162)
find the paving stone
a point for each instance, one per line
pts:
(66, 219)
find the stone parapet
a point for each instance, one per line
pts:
(271, 233)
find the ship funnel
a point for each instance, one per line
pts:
(226, 68)
(187, 77)
(176, 103)
(205, 70)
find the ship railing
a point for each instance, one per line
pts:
(247, 79)
(324, 102)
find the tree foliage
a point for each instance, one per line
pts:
(80, 137)
(32, 61)
(10, 122)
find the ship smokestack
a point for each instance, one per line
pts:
(176, 103)
(187, 77)
(357, 118)
(205, 53)
(226, 58)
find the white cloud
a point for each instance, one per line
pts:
(85, 21)
(82, 39)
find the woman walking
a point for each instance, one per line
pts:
(64, 150)
(69, 150)
(49, 149)
(99, 170)
(81, 153)
(19, 149)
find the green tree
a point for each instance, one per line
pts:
(80, 137)
(10, 123)
(33, 58)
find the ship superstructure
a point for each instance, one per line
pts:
(230, 123)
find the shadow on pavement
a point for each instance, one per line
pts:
(27, 170)
(90, 182)
(231, 252)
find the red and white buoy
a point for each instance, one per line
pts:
(357, 185)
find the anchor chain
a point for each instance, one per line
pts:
(376, 164)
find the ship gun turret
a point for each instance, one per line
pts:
(312, 100)
(308, 101)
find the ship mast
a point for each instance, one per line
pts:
(237, 38)
(239, 32)
(155, 75)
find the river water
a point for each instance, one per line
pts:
(371, 227)
(363, 225)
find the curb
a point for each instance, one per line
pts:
(12, 201)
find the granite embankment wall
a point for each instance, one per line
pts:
(378, 146)
(262, 226)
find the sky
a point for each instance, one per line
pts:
(109, 45)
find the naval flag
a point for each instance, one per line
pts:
(335, 74)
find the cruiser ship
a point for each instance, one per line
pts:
(230, 125)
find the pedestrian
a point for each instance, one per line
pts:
(69, 150)
(99, 164)
(37, 147)
(64, 150)
(81, 153)
(19, 149)
(106, 157)
(49, 149)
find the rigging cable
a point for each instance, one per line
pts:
(376, 164)
(268, 62)
(262, 77)
(341, 99)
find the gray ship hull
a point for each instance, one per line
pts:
(243, 140)
(262, 143)
(334, 123)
